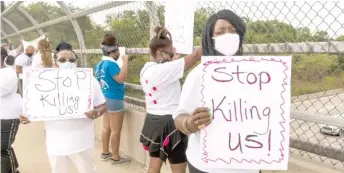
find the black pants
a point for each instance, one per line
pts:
(9, 129)
(192, 169)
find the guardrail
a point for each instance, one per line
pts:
(331, 47)
(295, 142)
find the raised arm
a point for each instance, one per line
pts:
(191, 60)
(121, 77)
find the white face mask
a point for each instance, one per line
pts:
(67, 65)
(227, 44)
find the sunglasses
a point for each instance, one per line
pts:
(63, 60)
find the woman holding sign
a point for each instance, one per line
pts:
(160, 82)
(111, 78)
(223, 36)
(72, 141)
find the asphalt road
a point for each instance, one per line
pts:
(307, 131)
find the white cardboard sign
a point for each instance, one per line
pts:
(120, 59)
(179, 20)
(53, 94)
(249, 98)
(33, 43)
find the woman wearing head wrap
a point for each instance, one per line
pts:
(72, 141)
(223, 36)
(111, 78)
(10, 109)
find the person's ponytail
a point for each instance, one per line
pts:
(45, 50)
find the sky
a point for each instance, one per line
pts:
(316, 15)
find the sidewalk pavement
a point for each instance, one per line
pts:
(32, 156)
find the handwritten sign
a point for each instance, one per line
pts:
(249, 98)
(33, 43)
(52, 94)
(179, 20)
(120, 59)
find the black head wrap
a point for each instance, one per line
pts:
(64, 46)
(207, 37)
(108, 49)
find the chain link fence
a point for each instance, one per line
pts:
(313, 32)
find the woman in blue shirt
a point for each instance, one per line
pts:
(111, 78)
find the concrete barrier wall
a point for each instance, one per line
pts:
(130, 146)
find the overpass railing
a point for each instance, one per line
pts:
(311, 31)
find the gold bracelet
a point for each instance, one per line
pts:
(185, 127)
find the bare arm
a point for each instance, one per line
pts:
(19, 69)
(101, 108)
(191, 60)
(188, 124)
(97, 111)
(179, 120)
(122, 76)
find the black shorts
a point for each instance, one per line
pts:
(176, 157)
(162, 140)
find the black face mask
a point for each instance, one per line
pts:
(29, 54)
(116, 58)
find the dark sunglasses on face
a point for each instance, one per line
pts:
(62, 60)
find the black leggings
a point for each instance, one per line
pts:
(192, 169)
(177, 156)
(9, 129)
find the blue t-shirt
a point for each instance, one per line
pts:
(105, 70)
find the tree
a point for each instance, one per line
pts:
(270, 31)
(303, 34)
(43, 12)
(320, 36)
(340, 38)
(131, 28)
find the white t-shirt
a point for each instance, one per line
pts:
(10, 101)
(65, 137)
(190, 99)
(24, 61)
(160, 83)
(37, 60)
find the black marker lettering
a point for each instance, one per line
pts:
(82, 76)
(45, 87)
(68, 83)
(217, 70)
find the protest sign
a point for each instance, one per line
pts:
(53, 94)
(121, 54)
(33, 43)
(249, 99)
(179, 20)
